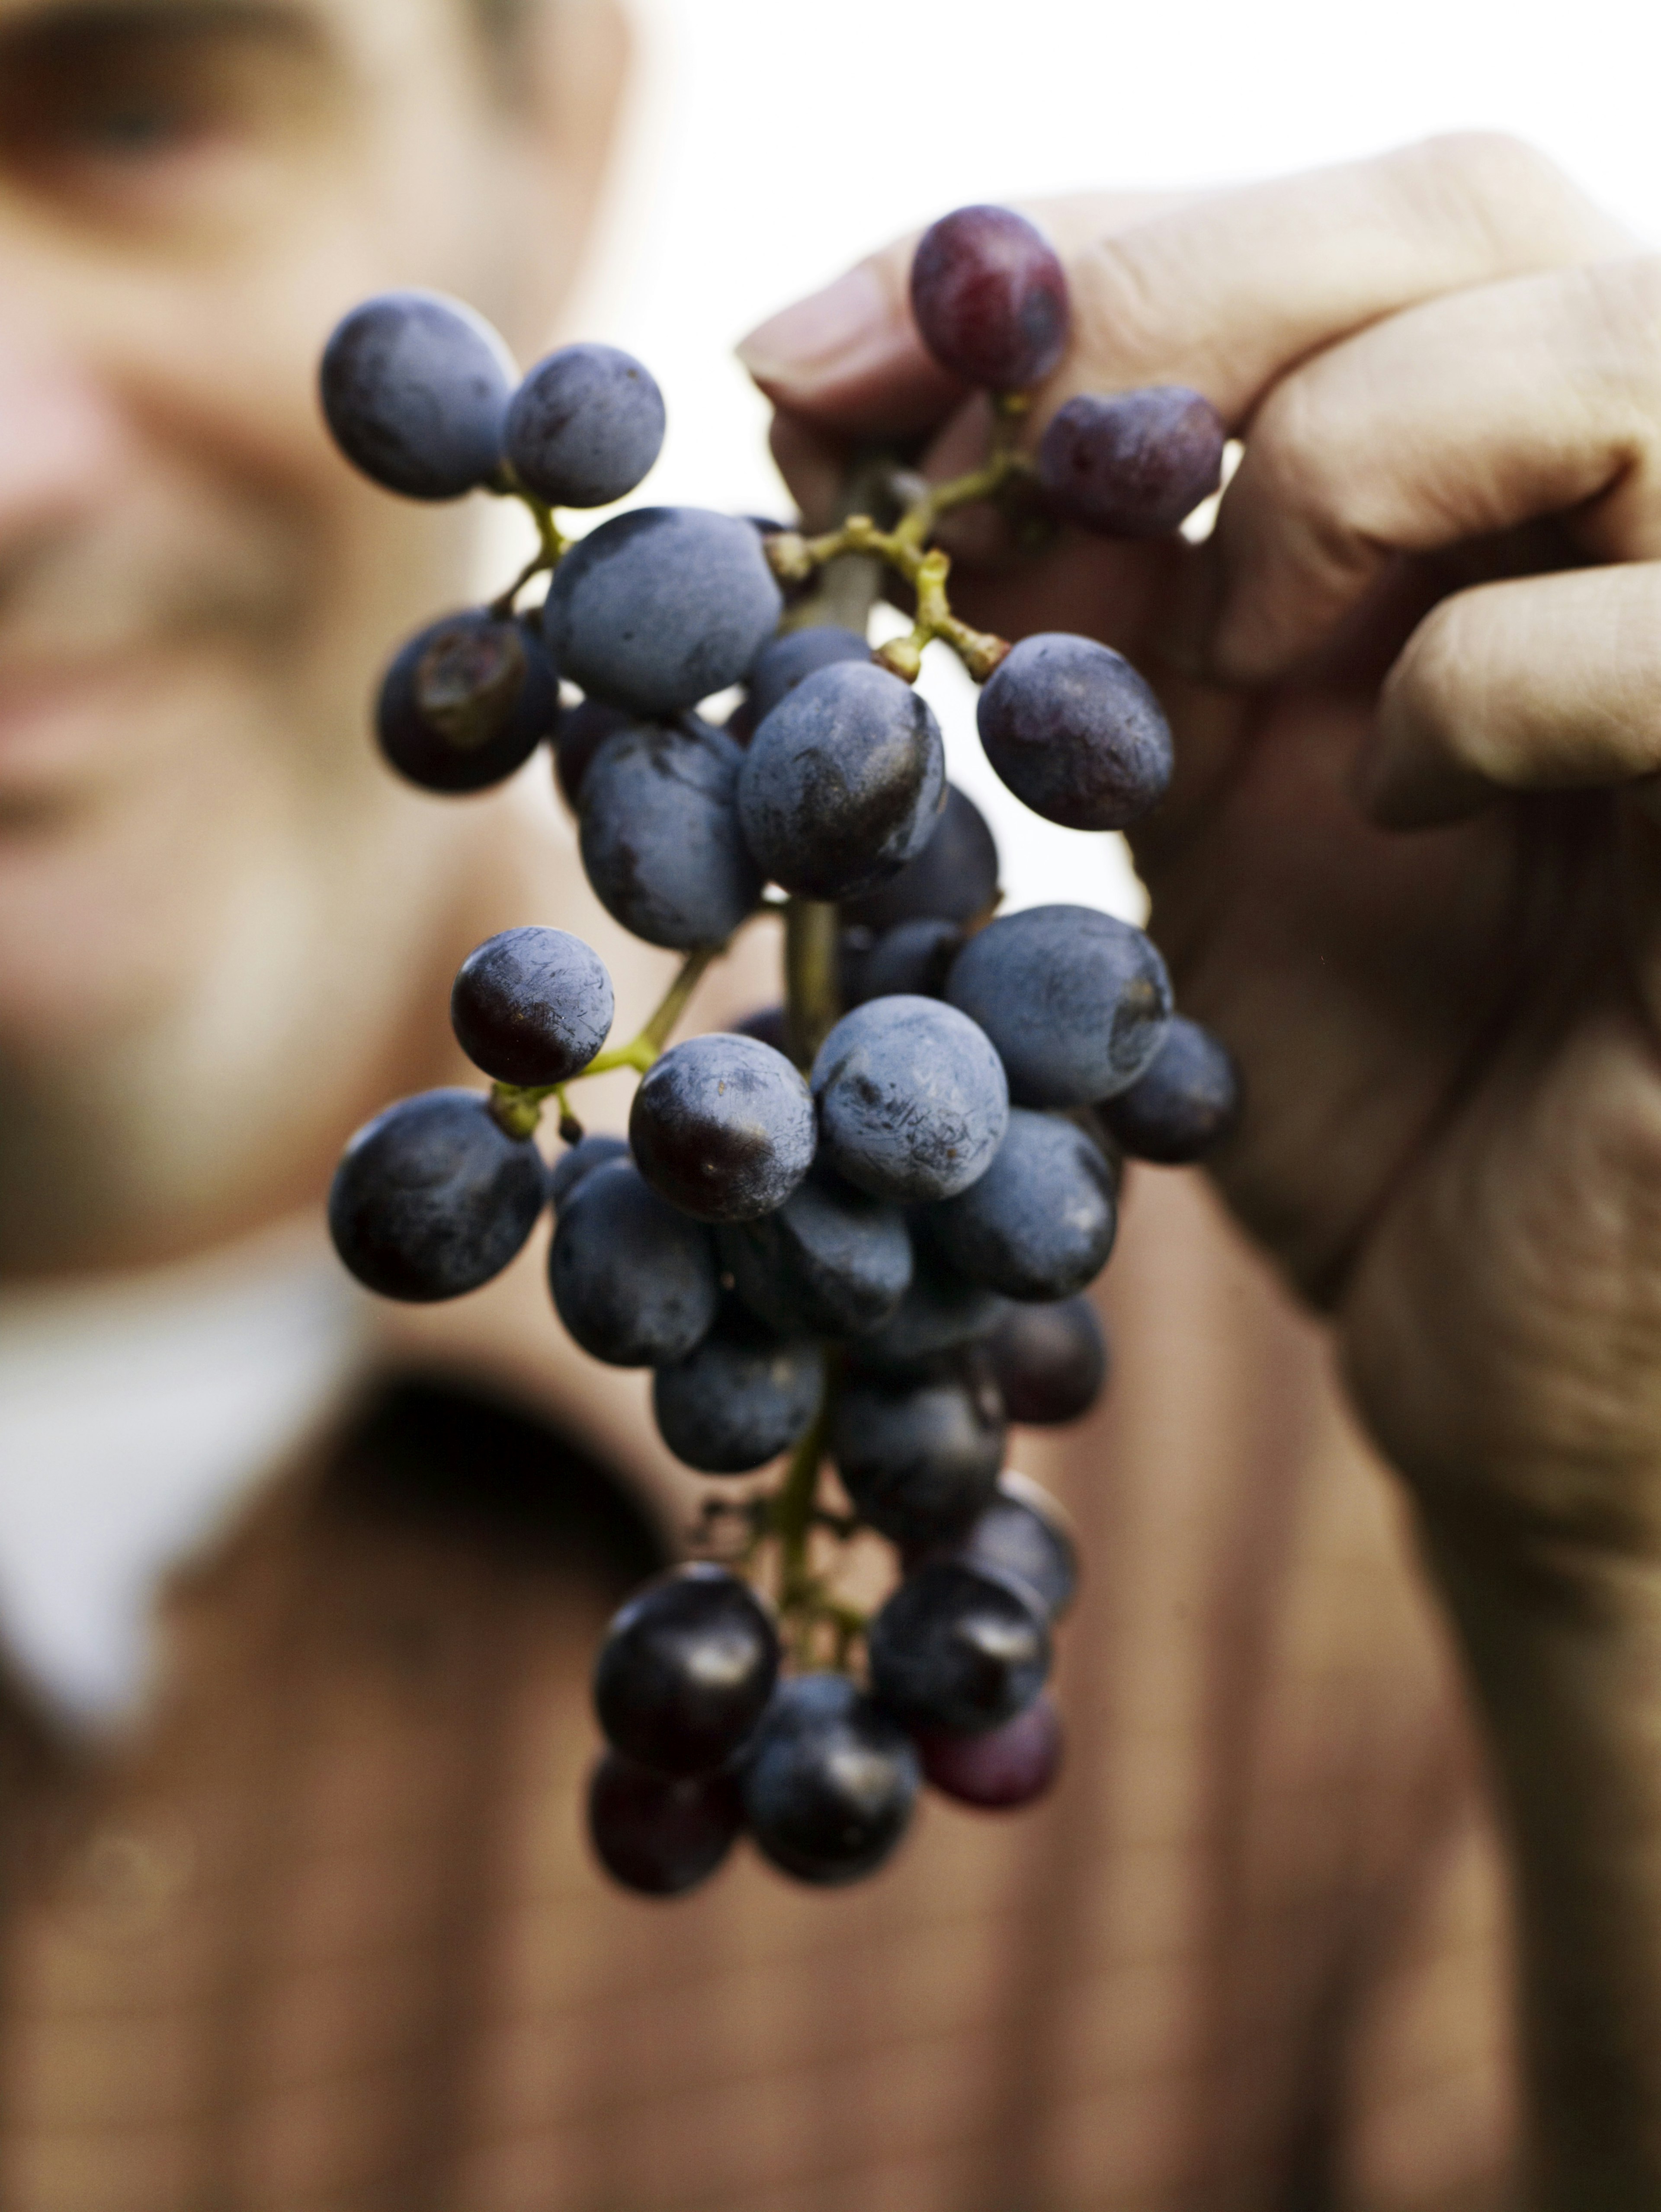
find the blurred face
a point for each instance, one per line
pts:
(208, 886)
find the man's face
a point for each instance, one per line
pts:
(195, 592)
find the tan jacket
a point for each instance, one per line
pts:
(327, 1936)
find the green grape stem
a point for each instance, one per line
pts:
(552, 544)
(905, 549)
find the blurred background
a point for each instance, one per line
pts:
(769, 145)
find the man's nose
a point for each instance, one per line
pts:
(61, 434)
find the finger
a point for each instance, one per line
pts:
(1454, 420)
(1220, 292)
(1224, 293)
(1550, 683)
(849, 357)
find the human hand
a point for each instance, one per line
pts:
(1431, 603)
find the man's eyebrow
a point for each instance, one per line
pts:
(48, 20)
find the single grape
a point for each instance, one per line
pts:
(578, 735)
(741, 1398)
(842, 782)
(531, 1006)
(941, 1311)
(957, 1647)
(1076, 1002)
(912, 1097)
(832, 1262)
(465, 701)
(997, 1771)
(584, 427)
(633, 1280)
(784, 663)
(659, 834)
(415, 390)
(661, 606)
(953, 879)
(1075, 732)
(685, 1670)
(432, 1198)
(1040, 1224)
(1050, 1361)
(768, 1025)
(578, 1161)
(831, 1781)
(989, 297)
(1186, 1101)
(912, 959)
(919, 1459)
(722, 1126)
(1024, 1535)
(1133, 465)
(661, 1834)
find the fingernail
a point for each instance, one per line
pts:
(824, 336)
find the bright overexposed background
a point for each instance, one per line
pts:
(769, 142)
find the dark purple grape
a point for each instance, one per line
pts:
(768, 1025)
(1050, 1361)
(957, 1647)
(633, 1280)
(830, 1783)
(432, 1198)
(919, 1458)
(661, 606)
(723, 1127)
(1075, 732)
(531, 1006)
(465, 701)
(741, 1398)
(584, 427)
(1076, 1002)
(842, 782)
(990, 298)
(1002, 1770)
(912, 959)
(661, 1834)
(415, 390)
(685, 1670)
(912, 1098)
(659, 834)
(953, 879)
(1186, 1101)
(1024, 1535)
(1040, 1224)
(576, 1164)
(1133, 465)
(832, 1262)
(578, 735)
(785, 661)
(941, 1311)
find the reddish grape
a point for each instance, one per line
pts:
(1009, 1767)
(1136, 464)
(990, 299)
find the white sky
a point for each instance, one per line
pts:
(769, 142)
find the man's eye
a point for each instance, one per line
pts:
(135, 129)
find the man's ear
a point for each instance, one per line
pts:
(566, 69)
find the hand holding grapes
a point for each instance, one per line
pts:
(1408, 868)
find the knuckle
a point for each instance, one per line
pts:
(1122, 301)
(1488, 167)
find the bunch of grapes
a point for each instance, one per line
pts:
(853, 1234)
